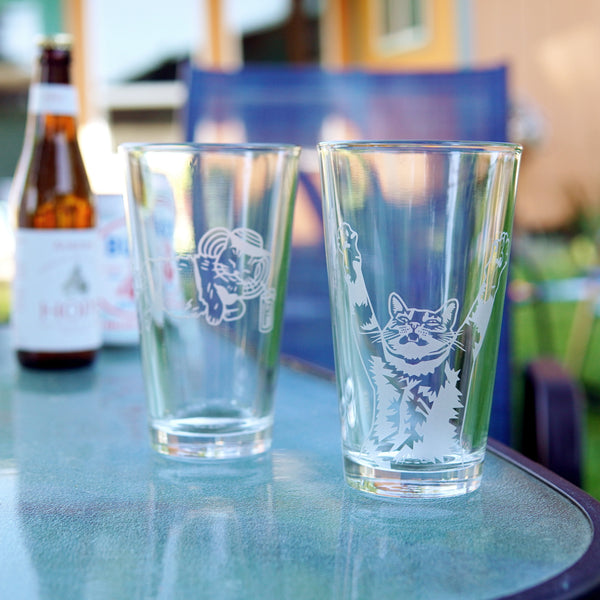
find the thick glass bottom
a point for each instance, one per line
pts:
(201, 438)
(433, 482)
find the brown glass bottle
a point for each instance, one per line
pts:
(55, 316)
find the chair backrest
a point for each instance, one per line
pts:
(305, 105)
(295, 105)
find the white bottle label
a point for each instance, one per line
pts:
(55, 290)
(52, 99)
(117, 302)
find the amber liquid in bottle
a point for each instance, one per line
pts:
(51, 191)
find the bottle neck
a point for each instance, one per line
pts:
(53, 125)
(57, 99)
(55, 65)
(52, 98)
(52, 109)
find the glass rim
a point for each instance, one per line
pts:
(420, 145)
(215, 147)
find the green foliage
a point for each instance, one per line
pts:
(549, 319)
(591, 481)
(4, 301)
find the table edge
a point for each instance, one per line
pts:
(581, 579)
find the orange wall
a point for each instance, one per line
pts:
(439, 51)
(349, 37)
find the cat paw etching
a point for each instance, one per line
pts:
(348, 239)
(501, 251)
(496, 265)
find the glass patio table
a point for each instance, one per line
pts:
(87, 510)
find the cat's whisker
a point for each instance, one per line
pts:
(459, 345)
(389, 334)
(376, 336)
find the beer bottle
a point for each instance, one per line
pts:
(55, 316)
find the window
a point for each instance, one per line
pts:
(402, 25)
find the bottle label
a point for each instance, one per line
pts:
(55, 290)
(52, 99)
(117, 302)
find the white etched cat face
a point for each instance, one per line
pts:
(417, 341)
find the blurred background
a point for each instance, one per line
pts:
(128, 61)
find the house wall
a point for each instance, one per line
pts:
(350, 36)
(440, 49)
(552, 48)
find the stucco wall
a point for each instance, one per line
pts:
(553, 49)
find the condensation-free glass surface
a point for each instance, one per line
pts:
(87, 510)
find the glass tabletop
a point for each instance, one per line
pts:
(87, 510)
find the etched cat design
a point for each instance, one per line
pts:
(410, 370)
(230, 268)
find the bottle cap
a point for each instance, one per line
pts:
(58, 41)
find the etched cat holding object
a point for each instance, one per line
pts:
(411, 369)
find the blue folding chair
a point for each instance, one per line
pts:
(308, 104)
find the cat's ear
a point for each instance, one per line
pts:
(396, 305)
(449, 312)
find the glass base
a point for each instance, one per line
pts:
(444, 482)
(188, 440)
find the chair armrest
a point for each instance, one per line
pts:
(553, 419)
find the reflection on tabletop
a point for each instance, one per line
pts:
(90, 511)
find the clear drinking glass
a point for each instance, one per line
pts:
(417, 240)
(210, 229)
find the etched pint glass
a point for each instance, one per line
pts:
(418, 239)
(210, 229)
